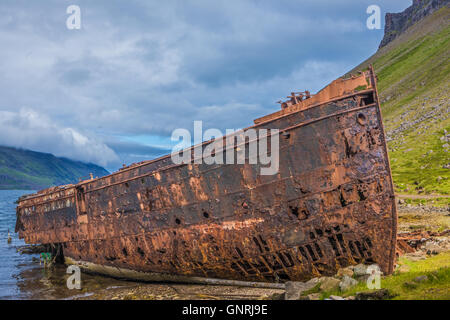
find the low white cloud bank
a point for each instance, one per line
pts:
(30, 130)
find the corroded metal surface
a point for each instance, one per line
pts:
(330, 205)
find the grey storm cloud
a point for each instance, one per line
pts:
(147, 67)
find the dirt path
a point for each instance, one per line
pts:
(420, 196)
(422, 218)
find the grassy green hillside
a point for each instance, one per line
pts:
(414, 87)
(23, 169)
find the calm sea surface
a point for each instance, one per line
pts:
(21, 275)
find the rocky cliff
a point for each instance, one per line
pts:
(397, 23)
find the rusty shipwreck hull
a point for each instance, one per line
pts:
(330, 205)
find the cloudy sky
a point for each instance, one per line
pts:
(113, 91)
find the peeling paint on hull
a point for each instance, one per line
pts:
(330, 205)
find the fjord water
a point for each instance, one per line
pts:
(21, 275)
(11, 263)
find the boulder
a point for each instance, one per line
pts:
(363, 278)
(295, 289)
(421, 278)
(360, 270)
(314, 281)
(277, 296)
(380, 294)
(329, 283)
(346, 283)
(345, 272)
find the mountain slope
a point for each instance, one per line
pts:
(414, 86)
(24, 169)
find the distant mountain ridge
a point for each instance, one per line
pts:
(397, 23)
(31, 170)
